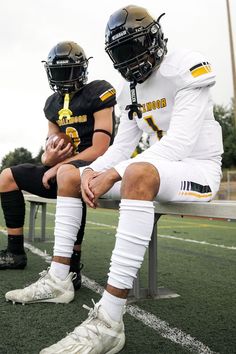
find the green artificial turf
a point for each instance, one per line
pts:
(203, 275)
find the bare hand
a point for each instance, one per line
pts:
(86, 177)
(100, 184)
(54, 155)
(48, 176)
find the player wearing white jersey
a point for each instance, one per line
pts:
(177, 114)
(170, 100)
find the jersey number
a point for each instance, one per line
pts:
(72, 132)
(151, 123)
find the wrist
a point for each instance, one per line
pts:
(114, 175)
(45, 161)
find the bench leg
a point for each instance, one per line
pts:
(152, 260)
(152, 291)
(135, 292)
(32, 216)
(43, 221)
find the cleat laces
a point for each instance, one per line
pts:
(41, 287)
(89, 329)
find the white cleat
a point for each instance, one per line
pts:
(47, 289)
(99, 334)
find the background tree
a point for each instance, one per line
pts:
(225, 116)
(16, 157)
(37, 159)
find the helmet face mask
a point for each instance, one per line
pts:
(66, 67)
(135, 43)
(137, 69)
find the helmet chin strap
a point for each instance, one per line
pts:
(134, 107)
(65, 112)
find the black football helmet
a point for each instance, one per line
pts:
(135, 43)
(66, 67)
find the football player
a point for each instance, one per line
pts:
(84, 111)
(171, 101)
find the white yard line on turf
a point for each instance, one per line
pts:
(161, 327)
(198, 242)
(174, 237)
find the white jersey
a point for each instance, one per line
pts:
(177, 114)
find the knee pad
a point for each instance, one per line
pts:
(13, 206)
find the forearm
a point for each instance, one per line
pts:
(113, 175)
(126, 140)
(91, 153)
(69, 159)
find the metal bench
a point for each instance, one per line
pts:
(214, 209)
(35, 204)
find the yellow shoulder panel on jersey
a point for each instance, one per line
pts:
(200, 69)
(105, 95)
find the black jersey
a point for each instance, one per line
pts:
(93, 97)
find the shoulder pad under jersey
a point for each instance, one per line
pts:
(52, 105)
(188, 69)
(99, 94)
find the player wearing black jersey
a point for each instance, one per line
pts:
(85, 113)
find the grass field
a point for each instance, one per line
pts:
(201, 320)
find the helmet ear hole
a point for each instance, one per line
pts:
(66, 67)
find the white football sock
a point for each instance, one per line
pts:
(67, 223)
(59, 270)
(113, 305)
(132, 238)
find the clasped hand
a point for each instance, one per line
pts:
(94, 184)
